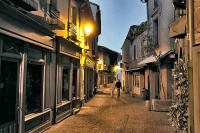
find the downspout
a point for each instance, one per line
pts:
(190, 36)
(191, 26)
(68, 26)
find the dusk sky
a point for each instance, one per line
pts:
(116, 18)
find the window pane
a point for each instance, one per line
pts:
(65, 85)
(8, 86)
(155, 32)
(33, 89)
(74, 88)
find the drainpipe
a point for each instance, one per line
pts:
(69, 7)
(190, 36)
(191, 26)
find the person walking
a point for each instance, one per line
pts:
(112, 89)
(118, 85)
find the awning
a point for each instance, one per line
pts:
(134, 69)
(147, 60)
(152, 58)
(178, 28)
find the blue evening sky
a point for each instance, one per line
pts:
(116, 18)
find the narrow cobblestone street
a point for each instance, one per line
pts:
(104, 114)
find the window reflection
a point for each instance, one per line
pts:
(74, 90)
(33, 88)
(65, 85)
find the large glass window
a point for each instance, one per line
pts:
(8, 87)
(65, 85)
(34, 88)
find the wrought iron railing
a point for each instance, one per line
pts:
(54, 13)
(72, 28)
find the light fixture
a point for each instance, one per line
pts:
(88, 30)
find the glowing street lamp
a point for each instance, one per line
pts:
(99, 64)
(116, 68)
(88, 30)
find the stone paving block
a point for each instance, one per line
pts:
(104, 114)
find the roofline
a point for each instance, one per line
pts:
(109, 49)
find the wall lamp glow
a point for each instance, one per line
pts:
(88, 30)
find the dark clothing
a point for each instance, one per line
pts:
(118, 85)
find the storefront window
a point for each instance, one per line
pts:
(65, 85)
(33, 88)
(8, 87)
(74, 89)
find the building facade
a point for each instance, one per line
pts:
(107, 66)
(42, 61)
(28, 44)
(132, 54)
(185, 30)
(160, 15)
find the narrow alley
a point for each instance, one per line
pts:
(104, 114)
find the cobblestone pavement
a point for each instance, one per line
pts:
(104, 114)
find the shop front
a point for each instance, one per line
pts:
(24, 86)
(89, 78)
(9, 85)
(68, 71)
(26, 50)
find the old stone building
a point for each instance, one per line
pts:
(107, 66)
(45, 56)
(186, 31)
(133, 53)
(160, 14)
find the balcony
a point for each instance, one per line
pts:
(179, 4)
(54, 13)
(72, 29)
(29, 5)
(56, 24)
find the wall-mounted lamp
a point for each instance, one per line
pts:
(99, 63)
(88, 29)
